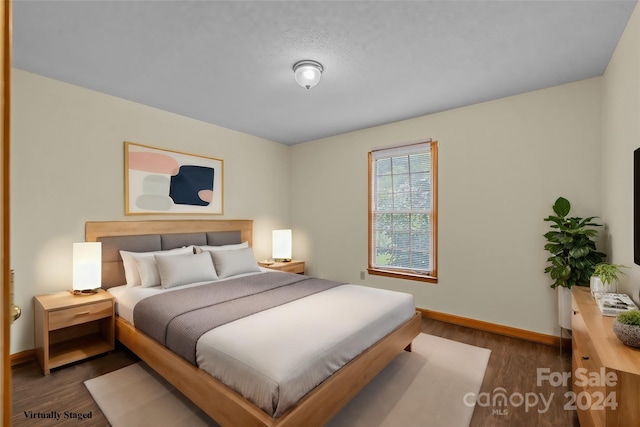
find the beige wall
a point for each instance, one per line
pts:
(501, 166)
(620, 137)
(67, 168)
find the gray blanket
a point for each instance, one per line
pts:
(177, 319)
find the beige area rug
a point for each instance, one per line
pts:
(419, 389)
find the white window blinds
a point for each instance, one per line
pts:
(402, 202)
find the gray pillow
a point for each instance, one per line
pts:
(230, 263)
(178, 270)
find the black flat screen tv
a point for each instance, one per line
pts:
(636, 206)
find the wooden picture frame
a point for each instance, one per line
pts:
(160, 181)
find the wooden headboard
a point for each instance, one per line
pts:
(153, 235)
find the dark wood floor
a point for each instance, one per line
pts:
(512, 366)
(62, 390)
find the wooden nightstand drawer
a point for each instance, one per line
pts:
(81, 314)
(293, 266)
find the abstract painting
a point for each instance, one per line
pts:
(159, 181)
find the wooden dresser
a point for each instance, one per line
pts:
(605, 372)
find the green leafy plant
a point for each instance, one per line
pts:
(608, 273)
(631, 317)
(572, 247)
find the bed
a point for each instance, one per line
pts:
(215, 381)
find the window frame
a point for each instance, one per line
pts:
(398, 272)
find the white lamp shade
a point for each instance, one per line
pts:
(87, 266)
(281, 245)
(307, 73)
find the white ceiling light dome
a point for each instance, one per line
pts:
(307, 73)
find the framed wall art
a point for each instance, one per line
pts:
(159, 181)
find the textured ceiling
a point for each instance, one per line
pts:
(229, 62)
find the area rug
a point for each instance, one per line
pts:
(426, 387)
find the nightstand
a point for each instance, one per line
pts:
(71, 327)
(290, 267)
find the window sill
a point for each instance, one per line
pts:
(402, 275)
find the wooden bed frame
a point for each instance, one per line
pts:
(224, 405)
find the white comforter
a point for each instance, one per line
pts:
(275, 357)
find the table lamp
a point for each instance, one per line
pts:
(87, 267)
(281, 245)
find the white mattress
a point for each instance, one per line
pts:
(275, 357)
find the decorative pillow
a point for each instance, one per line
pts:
(234, 247)
(132, 266)
(230, 263)
(178, 270)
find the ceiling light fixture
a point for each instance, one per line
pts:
(307, 73)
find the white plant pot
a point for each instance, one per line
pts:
(597, 287)
(564, 307)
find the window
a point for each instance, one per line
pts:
(402, 211)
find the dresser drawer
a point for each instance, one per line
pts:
(80, 314)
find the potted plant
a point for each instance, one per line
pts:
(627, 327)
(574, 256)
(605, 277)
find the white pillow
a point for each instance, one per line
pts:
(234, 247)
(230, 263)
(130, 269)
(177, 270)
(131, 262)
